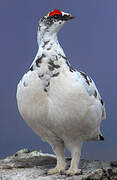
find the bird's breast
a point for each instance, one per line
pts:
(62, 108)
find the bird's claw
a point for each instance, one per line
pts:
(55, 171)
(72, 172)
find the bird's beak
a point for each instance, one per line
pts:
(70, 17)
(67, 17)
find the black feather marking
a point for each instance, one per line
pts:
(101, 138)
(48, 84)
(85, 76)
(70, 67)
(95, 94)
(45, 43)
(40, 76)
(45, 90)
(67, 62)
(51, 63)
(64, 57)
(31, 68)
(38, 61)
(48, 49)
(102, 102)
(55, 75)
(51, 68)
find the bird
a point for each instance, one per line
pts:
(61, 104)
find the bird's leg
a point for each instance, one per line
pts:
(75, 152)
(61, 164)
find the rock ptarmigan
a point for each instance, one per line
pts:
(62, 105)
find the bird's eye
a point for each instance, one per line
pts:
(56, 16)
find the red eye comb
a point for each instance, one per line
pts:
(56, 11)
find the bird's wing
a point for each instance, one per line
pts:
(91, 89)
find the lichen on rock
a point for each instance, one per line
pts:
(31, 165)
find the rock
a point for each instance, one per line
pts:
(33, 165)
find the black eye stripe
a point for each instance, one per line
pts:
(58, 17)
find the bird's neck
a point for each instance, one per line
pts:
(50, 52)
(46, 36)
(48, 43)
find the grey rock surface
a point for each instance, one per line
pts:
(33, 165)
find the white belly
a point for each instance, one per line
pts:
(66, 111)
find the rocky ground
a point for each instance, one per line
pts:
(33, 165)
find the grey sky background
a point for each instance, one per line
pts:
(90, 43)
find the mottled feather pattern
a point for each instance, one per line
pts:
(61, 104)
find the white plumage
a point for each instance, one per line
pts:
(60, 104)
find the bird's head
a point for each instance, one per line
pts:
(53, 21)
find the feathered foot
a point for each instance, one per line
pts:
(55, 170)
(71, 172)
(61, 164)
